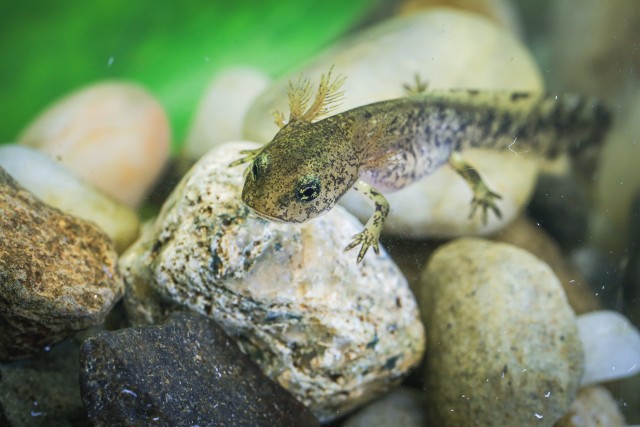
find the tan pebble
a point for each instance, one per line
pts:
(504, 345)
(524, 234)
(114, 135)
(594, 407)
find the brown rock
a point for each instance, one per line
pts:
(57, 273)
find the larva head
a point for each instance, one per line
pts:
(301, 174)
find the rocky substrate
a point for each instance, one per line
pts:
(224, 318)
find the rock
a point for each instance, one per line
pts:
(449, 49)
(43, 391)
(500, 12)
(594, 407)
(57, 186)
(185, 372)
(57, 273)
(333, 332)
(526, 235)
(504, 346)
(114, 135)
(402, 407)
(221, 112)
(600, 332)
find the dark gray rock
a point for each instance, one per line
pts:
(43, 391)
(57, 273)
(185, 372)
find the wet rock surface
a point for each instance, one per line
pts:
(43, 391)
(504, 346)
(57, 273)
(528, 235)
(594, 407)
(184, 372)
(333, 332)
(57, 186)
(402, 407)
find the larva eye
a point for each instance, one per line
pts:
(307, 189)
(259, 166)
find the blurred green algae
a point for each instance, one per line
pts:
(50, 48)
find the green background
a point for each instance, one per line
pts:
(50, 48)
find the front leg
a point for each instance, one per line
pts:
(483, 197)
(372, 229)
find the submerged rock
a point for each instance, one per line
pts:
(115, 135)
(504, 345)
(403, 407)
(333, 332)
(57, 186)
(594, 407)
(57, 273)
(185, 372)
(221, 112)
(602, 331)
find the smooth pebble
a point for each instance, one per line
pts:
(115, 135)
(504, 346)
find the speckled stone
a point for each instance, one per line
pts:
(504, 345)
(403, 407)
(594, 407)
(333, 332)
(185, 372)
(449, 49)
(57, 273)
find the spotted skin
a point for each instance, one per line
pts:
(385, 146)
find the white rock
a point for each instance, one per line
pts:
(449, 49)
(221, 112)
(57, 186)
(114, 135)
(333, 332)
(611, 346)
